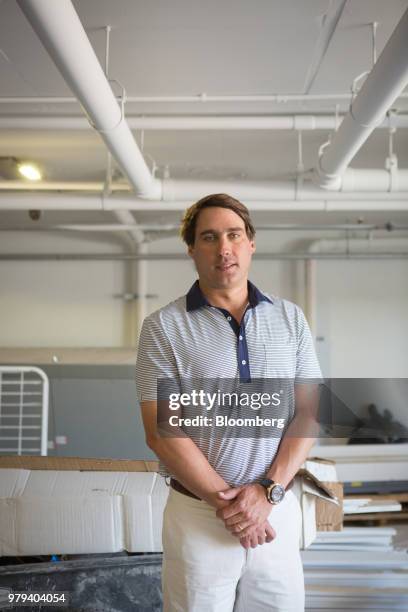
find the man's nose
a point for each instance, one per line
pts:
(224, 246)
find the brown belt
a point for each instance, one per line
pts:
(177, 486)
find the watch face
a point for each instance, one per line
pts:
(277, 493)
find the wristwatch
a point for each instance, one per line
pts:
(275, 492)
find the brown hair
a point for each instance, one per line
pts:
(220, 200)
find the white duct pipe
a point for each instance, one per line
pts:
(310, 294)
(90, 186)
(356, 179)
(278, 256)
(310, 201)
(60, 30)
(243, 190)
(200, 98)
(135, 312)
(339, 246)
(174, 227)
(353, 180)
(141, 291)
(198, 122)
(385, 83)
(126, 218)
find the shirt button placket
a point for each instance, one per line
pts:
(242, 356)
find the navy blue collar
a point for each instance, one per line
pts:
(195, 298)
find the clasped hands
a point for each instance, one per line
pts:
(246, 516)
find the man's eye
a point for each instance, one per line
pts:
(208, 238)
(235, 236)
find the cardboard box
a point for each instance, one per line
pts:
(72, 505)
(320, 496)
(329, 516)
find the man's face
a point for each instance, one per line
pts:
(222, 251)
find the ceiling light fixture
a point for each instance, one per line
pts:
(30, 172)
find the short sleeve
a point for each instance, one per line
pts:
(307, 365)
(155, 359)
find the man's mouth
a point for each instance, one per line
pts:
(225, 267)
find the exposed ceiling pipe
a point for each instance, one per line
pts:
(345, 246)
(141, 292)
(385, 83)
(356, 180)
(135, 311)
(62, 34)
(309, 201)
(277, 227)
(282, 256)
(93, 186)
(367, 179)
(200, 98)
(196, 122)
(353, 180)
(129, 224)
(328, 27)
(310, 294)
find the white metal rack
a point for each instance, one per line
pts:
(24, 394)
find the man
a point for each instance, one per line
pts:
(231, 524)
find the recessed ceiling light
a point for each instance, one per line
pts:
(29, 171)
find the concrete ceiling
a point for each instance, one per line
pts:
(187, 47)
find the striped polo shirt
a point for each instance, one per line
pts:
(191, 339)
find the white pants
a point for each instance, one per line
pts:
(205, 568)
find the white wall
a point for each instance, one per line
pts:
(66, 304)
(362, 318)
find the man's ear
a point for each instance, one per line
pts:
(253, 246)
(190, 250)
